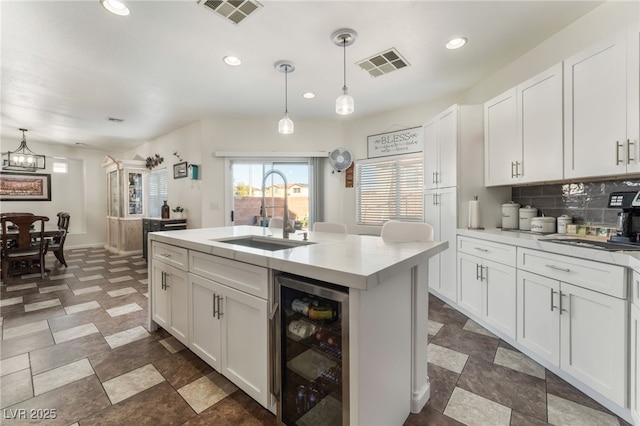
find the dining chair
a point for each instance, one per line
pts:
(56, 244)
(337, 228)
(396, 231)
(24, 249)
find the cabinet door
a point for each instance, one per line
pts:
(204, 324)
(502, 149)
(432, 216)
(245, 351)
(176, 283)
(161, 299)
(447, 135)
(538, 316)
(595, 97)
(540, 126)
(469, 284)
(447, 202)
(635, 364)
(431, 163)
(499, 308)
(593, 330)
(633, 100)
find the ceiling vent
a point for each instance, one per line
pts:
(234, 11)
(383, 63)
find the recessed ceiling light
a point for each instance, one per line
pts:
(116, 7)
(308, 95)
(232, 61)
(456, 43)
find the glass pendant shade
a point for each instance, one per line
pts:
(344, 103)
(285, 126)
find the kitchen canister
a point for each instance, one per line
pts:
(563, 221)
(544, 224)
(510, 214)
(526, 214)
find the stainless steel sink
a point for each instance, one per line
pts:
(263, 243)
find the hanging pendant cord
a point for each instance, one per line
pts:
(344, 50)
(286, 84)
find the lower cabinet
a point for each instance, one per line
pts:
(635, 364)
(579, 330)
(170, 302)
(229, 330)
(487, 289)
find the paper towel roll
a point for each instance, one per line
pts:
(474, 214)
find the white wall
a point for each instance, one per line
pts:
(81, 192)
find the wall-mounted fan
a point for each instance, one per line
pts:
(340, 159)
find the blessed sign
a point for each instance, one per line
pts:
(404, 141)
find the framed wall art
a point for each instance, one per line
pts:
(180, 170)
(16, 186)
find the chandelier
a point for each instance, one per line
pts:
(23, 158)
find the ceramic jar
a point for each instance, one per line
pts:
(510, 215)
(526, 214)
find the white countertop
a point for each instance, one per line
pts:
(357, 261)
(629, 259)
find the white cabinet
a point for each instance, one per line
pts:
(502, 153)
(229, 328)
(634, 349)
(440, 211)
(486, 288)
(441, 149)
(569, 324)
(601, 109)
(523, 132)
(170, 307)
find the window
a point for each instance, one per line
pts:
(302, 190)
(60, 168)
(389, 188)
(157, 192)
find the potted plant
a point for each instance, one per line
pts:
(178, 212)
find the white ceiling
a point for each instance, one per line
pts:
(68, 65)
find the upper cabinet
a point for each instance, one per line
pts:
(523, 132)
(601, 109)
(441, 149)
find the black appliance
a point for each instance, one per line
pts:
(311, 374)
(628, 202)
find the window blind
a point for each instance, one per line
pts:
(389, 188)
(157, 192)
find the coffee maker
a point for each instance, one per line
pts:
(628, 218)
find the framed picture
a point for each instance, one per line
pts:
(16, 186)
(180, 170)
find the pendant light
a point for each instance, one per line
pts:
(344, 37)
(22, 158)
(285, 126)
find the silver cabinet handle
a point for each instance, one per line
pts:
(477, 271)
(433, 177)
(215, 298)
(220, 313)
(557, 268)
(552, 305)
(517, 167)
(512, 173)
(165, 254)
(629, 157)
(484, 250)
(437, 177)
(483, 270)
(618, 146)
(561, 308)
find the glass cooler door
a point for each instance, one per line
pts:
(313, 342)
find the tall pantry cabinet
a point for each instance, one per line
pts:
(453, 175)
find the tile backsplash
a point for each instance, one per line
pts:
(586, 202)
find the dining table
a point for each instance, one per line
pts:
(51, 231)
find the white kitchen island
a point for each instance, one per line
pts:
(387, 287)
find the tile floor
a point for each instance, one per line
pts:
(75, 350)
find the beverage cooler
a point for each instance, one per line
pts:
(311, 372)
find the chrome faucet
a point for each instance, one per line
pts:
(286, 227)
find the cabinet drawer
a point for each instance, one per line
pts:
(171, 255)
(600, 277)
(501, 253)
(241, 276)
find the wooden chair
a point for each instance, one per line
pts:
(337, 228)
(56, 244)
(395, 231)
(24, 250)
